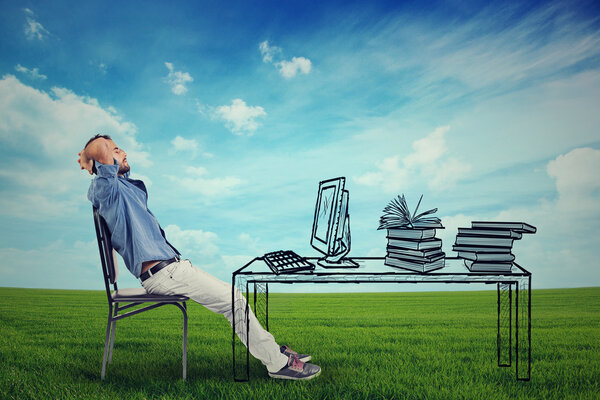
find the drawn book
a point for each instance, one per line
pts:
(521, 227)
(416, 253)
(474, 256)
(397, 215)
(423, 259)
(414, 266)
(416, 244)
(412, 234)
(481, 249)
(493, 241)
(490, 232)
(482, 266)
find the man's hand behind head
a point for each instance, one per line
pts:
(99, 149)
(102, 149)
(85, 162)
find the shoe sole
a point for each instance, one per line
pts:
(291, 378)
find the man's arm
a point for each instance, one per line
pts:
(99, 150)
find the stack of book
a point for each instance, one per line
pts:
(487, 245)
(416, 249)
(411, 237)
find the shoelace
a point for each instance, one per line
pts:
(285, 349)
(295, 364)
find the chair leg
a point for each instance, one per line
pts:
(112, 341)
(106, 344)
(185, 320)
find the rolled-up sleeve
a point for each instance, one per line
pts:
(103, 189)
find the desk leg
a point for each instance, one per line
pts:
(240, 309)
(261, 303)
(523, 328)
(504, 324)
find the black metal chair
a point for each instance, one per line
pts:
(132, 297)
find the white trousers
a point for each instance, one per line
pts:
(182, 278)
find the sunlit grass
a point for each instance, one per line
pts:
(436, 345)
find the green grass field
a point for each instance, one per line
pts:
(435, 345)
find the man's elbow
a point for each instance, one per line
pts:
(99, 150)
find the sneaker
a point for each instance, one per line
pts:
(285, 350)
(296, 370)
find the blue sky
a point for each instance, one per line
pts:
(233, 112)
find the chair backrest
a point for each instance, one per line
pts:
(107, 253)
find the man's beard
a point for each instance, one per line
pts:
(123, 169)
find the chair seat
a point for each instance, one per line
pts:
(140, 294)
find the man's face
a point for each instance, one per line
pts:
(120, 156)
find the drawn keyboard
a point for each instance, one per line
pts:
(286, 261)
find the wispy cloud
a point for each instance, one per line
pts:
(268, 52)
(577, 184)
(239, 117)
(497, 50)
(197, 180)
(287, 69)
(33, 29)
(194, 243)
(33, 73)
(181, 144)
(428, 162)
(177, 79)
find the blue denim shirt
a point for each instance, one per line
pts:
(123, 203)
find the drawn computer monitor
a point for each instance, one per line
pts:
(331, 226)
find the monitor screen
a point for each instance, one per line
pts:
(324, 213)
(327, 215)
(331, 225)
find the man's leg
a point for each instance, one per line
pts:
(184, 279)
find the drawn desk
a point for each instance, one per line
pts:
(253, 279)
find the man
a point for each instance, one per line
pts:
(139, 239)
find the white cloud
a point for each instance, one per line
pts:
(289, 69)
(147, 181)
(428, 162)
(234, 262)
(268, 51)
(197, 181)
(34, 177)
(428, 150)
(239, 117)
(577, 180)
(28, 205)
(193, 243)
(32, 73)
(181, 144)
(33, 29)
(50, 129)
(250, 243)
(196, 171)
(177, 79)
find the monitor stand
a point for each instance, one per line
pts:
(342, 263)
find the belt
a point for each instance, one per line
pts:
(157, 268)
